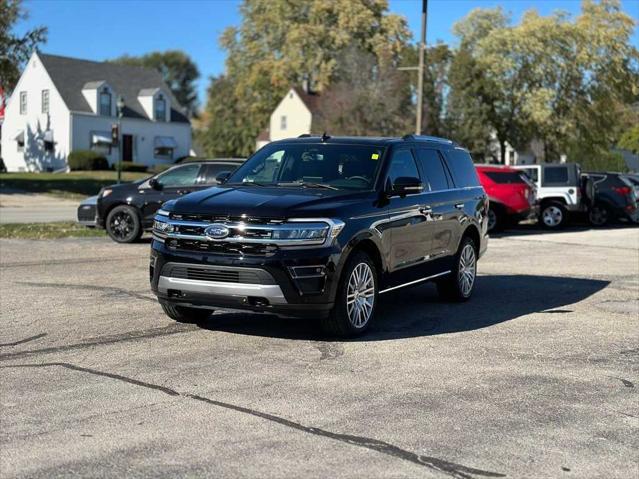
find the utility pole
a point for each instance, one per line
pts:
(420, 71)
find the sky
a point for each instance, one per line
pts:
(103, 29)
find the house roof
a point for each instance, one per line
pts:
(71, 75)
(310, 99)
(265, 135)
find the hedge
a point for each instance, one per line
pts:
(87, 160)
(130, 166)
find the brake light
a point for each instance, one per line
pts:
(623, 190)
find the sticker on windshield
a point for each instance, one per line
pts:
(375, 156)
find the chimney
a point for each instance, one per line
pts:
(305, 84)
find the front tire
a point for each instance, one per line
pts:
(458, 286)
(184, 314)
(553, 215)
(123, 224)
(356, 300)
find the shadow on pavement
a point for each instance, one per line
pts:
(418, 311)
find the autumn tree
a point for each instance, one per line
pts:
(15, 49)
(178, 71)
(279, 43)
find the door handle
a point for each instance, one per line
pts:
(459, 206)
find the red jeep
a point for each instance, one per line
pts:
(512, 196)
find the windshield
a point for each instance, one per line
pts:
(330, 166)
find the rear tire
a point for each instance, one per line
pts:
(356, 300)
(598, 215)
(553, 215)
(458, 286)
(184, 314)
(123, 224)
(495, 220)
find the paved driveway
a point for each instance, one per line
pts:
(35, 208)
(536, 376)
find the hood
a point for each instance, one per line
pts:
(125, 187)
(267, 202)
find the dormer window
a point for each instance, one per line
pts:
(105, 102)
(160, 108)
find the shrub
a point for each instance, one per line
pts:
(135, 167)
(159, 168)
(87, 160)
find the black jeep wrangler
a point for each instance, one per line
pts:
(322, 227)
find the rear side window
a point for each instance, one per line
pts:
(402, 165)
(433, 169)
(211, 171)
(504, 177)
(556, 175)
(461, 166)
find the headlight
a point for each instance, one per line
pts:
(106, 192)
(162, 227)
(162, 213)
(301, 232)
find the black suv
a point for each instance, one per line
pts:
(321, 226)
(127, 209)
(614, 197)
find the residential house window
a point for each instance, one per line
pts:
(163, 153)
(23, 102)
(45, 101)
(105, 103)
(160, 108)
(283, 122)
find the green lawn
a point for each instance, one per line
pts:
(74, 185)
(61, 229)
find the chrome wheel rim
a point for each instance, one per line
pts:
(121, 225)
(360, 295)
(492, 219)
(467, 269)
(552, 216)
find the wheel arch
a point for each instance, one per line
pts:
(471, 232)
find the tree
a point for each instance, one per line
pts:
(280, 43)
(178, 71)
(15, 50)
(630, 140)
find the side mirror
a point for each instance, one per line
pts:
(155, 184)
(222, 177)
(406, 185)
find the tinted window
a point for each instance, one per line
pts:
(402, 165)
(433, 169)
(340, 166)
(556, 175)
(180, 176)
(504, 177)
(531, 173)
(211, 171)
(461, 166)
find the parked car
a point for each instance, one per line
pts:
(633, 179)
(320, 226)
(127, 209)
(559, 191)
(511, 194)
(614, 198)
(87, 211)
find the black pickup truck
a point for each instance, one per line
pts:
(321, 226)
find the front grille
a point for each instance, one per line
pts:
(217, 273)
(237, 249)
(86, 213)
(205, 274)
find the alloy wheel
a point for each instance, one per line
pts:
(598, 215)
(552, 216)
(122, 225)
(467, 269)
(360, 295)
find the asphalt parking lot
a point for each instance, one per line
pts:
(537, 376)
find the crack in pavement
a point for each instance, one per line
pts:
(90, 287)
(452, 469)
(176, 328)
(25, 340)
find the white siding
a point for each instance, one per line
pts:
(143, 131)
(34, 158)
(298, 118)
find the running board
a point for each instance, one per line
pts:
(413, 282)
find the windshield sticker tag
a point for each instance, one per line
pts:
(375, 156)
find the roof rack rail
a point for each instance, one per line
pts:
(437, 139)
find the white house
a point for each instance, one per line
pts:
(292, 117)
(64, 104)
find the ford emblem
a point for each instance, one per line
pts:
(216, 232)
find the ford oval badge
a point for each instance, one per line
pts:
(216, 232)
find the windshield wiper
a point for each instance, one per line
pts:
(305, 184)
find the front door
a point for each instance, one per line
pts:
(127, 147)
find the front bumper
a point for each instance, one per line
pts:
(278, 284)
